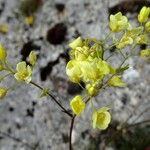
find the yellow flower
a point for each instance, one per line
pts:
(101, 118)
(133, 33)
(125, 40)
(90, 71)
(29, 20)
(118, 22)
(73, 71)
(24, 72)
(145, 53)
(142, 39)
(143, 15)
(3, 53)
(76, 43)
(32, 58)
(3, 92)
(92, 89)
(103, 67)
(116, 81)
(81, 53)
(77, 105)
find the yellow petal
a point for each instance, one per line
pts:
(76, 43)
(77, 105)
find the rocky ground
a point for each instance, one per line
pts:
(28, 122)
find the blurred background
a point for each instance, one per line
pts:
(28, 122)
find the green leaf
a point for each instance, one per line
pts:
(120, 70)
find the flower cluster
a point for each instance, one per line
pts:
(131, 35)
(23, 71)
(89, 65)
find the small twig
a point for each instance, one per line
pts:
(54, 99)
(70, 133)
(16, 139)
(138, 123)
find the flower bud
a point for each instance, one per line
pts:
(91, 89)
(143, 15)
(3, 92)
(77, 105)
(32, 58)
(3, 53)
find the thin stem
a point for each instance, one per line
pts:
(71, 127)
(138, 123)
(54, 99)
(70, 133)
(16, 139)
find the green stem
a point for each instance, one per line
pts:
(54, 99)
(70, 132)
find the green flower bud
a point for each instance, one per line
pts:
(32, 58)
(3, 53)
(3, 92)
(143, 15)
(92, 89)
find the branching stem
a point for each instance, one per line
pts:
(54, 99)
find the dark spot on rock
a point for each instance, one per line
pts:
(60, 7)
(86, 4)
(65, 138)
(76, 34)
(27, 48)
(2, 7)
(45, 120)
(74, 88)
(56, 35)
(45, 71)
(65, 56)
(129, 6)
(30, 112)
(9, 131)
(83, 134)
(9, 18)
(34, 103)
(49, 147)
(124, 98)
(140, 96)
(11, 109)
(18, 126)
(89, 21)
(1, 137)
